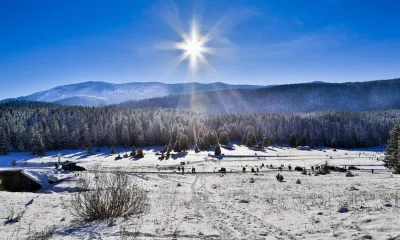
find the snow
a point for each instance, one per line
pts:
(208, 205)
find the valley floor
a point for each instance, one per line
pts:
(210, 205)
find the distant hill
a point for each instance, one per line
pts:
(102, 93)
(307, 97)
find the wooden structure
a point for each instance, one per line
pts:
(16, 181)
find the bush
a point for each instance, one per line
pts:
(299, 169)
(350, 174)
(118, 157)
(108, 196)
(298, 181)
(279, 177)
(304, 172)
(125, 155)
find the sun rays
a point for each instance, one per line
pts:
(193, 47)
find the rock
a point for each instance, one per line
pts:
(319, 213)
(62, 220)
(263, 234)
(343, 210)
(244, 201)
(213, 186)
(388, 205)
(179, 185)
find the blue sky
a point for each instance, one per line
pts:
(44, 44)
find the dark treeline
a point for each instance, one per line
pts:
(37, 127)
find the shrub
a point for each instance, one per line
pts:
(279, 177)
(298, 181)
(304, 172)
(118, 157)
(126, 155)
(108, 196)
(299, 169)
(112, 149)
(350, 174)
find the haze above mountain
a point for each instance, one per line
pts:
(102, 93)
(307, 97)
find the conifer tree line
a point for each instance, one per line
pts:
(36, 127)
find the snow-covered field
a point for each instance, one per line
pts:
(209, 205)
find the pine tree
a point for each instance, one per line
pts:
(293, 141)
(3, 142)
(266, 142)
(249, 143)
(133, 152)
(177, 147)
(90, 149)
(21, 147)
(392, 154)
(217, 150)
(196, 149)
(184, 142)
(64, 136)
(224, 138)
(37, 145)
(112, 150)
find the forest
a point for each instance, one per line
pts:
(40, 127)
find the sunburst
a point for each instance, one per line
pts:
(194, 48)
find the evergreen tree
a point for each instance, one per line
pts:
(64, 136)
(21, 147)
(196, 149)
(217, 151)
(112, 150)
(271, 141)
(90, 149)
(266, 142)
(249, 143)
(3, 142)
(37, 145)
(224, 138)
(293, 141)
(133, 152)
(392, 154)
(184, 142)
(177, 147)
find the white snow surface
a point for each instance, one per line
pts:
(210, 205)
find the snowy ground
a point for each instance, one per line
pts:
(213, 206)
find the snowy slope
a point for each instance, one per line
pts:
(102, 93)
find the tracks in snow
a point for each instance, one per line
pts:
(232, 222)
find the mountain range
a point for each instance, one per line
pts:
(102, 93)
(307, 97)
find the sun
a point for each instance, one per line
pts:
(193, 47)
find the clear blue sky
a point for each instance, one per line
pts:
(44, 44)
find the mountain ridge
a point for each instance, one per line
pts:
(94, 93)
(288, 98)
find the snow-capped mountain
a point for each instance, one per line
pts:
(102, 93)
